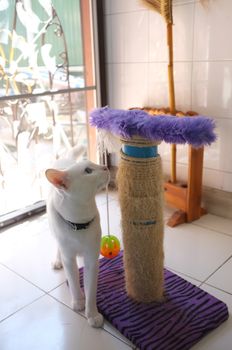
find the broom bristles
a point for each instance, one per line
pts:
(164, 7)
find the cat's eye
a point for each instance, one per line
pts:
(88, 170)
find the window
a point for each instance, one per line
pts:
(47, 88)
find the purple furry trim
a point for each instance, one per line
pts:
(197, 131)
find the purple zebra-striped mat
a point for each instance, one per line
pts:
(186, 316)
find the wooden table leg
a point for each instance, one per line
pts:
(194, 189)
(187, 198)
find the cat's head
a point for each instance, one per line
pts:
(81, 180)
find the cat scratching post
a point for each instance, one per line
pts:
(140, 187)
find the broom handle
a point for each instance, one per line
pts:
(171, 96)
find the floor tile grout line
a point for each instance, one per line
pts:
(30, 282)
(48, 293)
(184, 274)
(167, 267)
(197, 280)
(21, 308)
(221, 290)
(195, 222)
(115, 336)
(64, 304)
(211, 229)
(83, 316)
(206, 227)
(60, 302)
(58, 286)
(216, 270)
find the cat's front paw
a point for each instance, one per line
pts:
(79, 304)
(57, 265)
(96, 321)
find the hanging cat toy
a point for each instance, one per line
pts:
(110, 244)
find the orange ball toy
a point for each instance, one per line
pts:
(110, 246)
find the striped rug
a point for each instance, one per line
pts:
(187, 314)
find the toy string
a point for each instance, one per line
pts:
(107, 197)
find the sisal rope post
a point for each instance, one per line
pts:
(140, 187)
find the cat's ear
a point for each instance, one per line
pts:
(58, 178)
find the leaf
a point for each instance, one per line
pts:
(28, 18)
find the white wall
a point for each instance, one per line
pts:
(137, 70)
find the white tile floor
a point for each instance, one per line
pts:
(35, 308)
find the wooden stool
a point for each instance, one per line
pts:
(184, 196)
(187, 197)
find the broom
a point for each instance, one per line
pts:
(164, 7)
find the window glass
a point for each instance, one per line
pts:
(44, 101)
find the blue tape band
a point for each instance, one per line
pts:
(140, 152)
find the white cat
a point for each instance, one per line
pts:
(74, 220)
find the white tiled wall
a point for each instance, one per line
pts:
(137, 70)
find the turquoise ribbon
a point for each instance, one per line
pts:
(140, 152)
